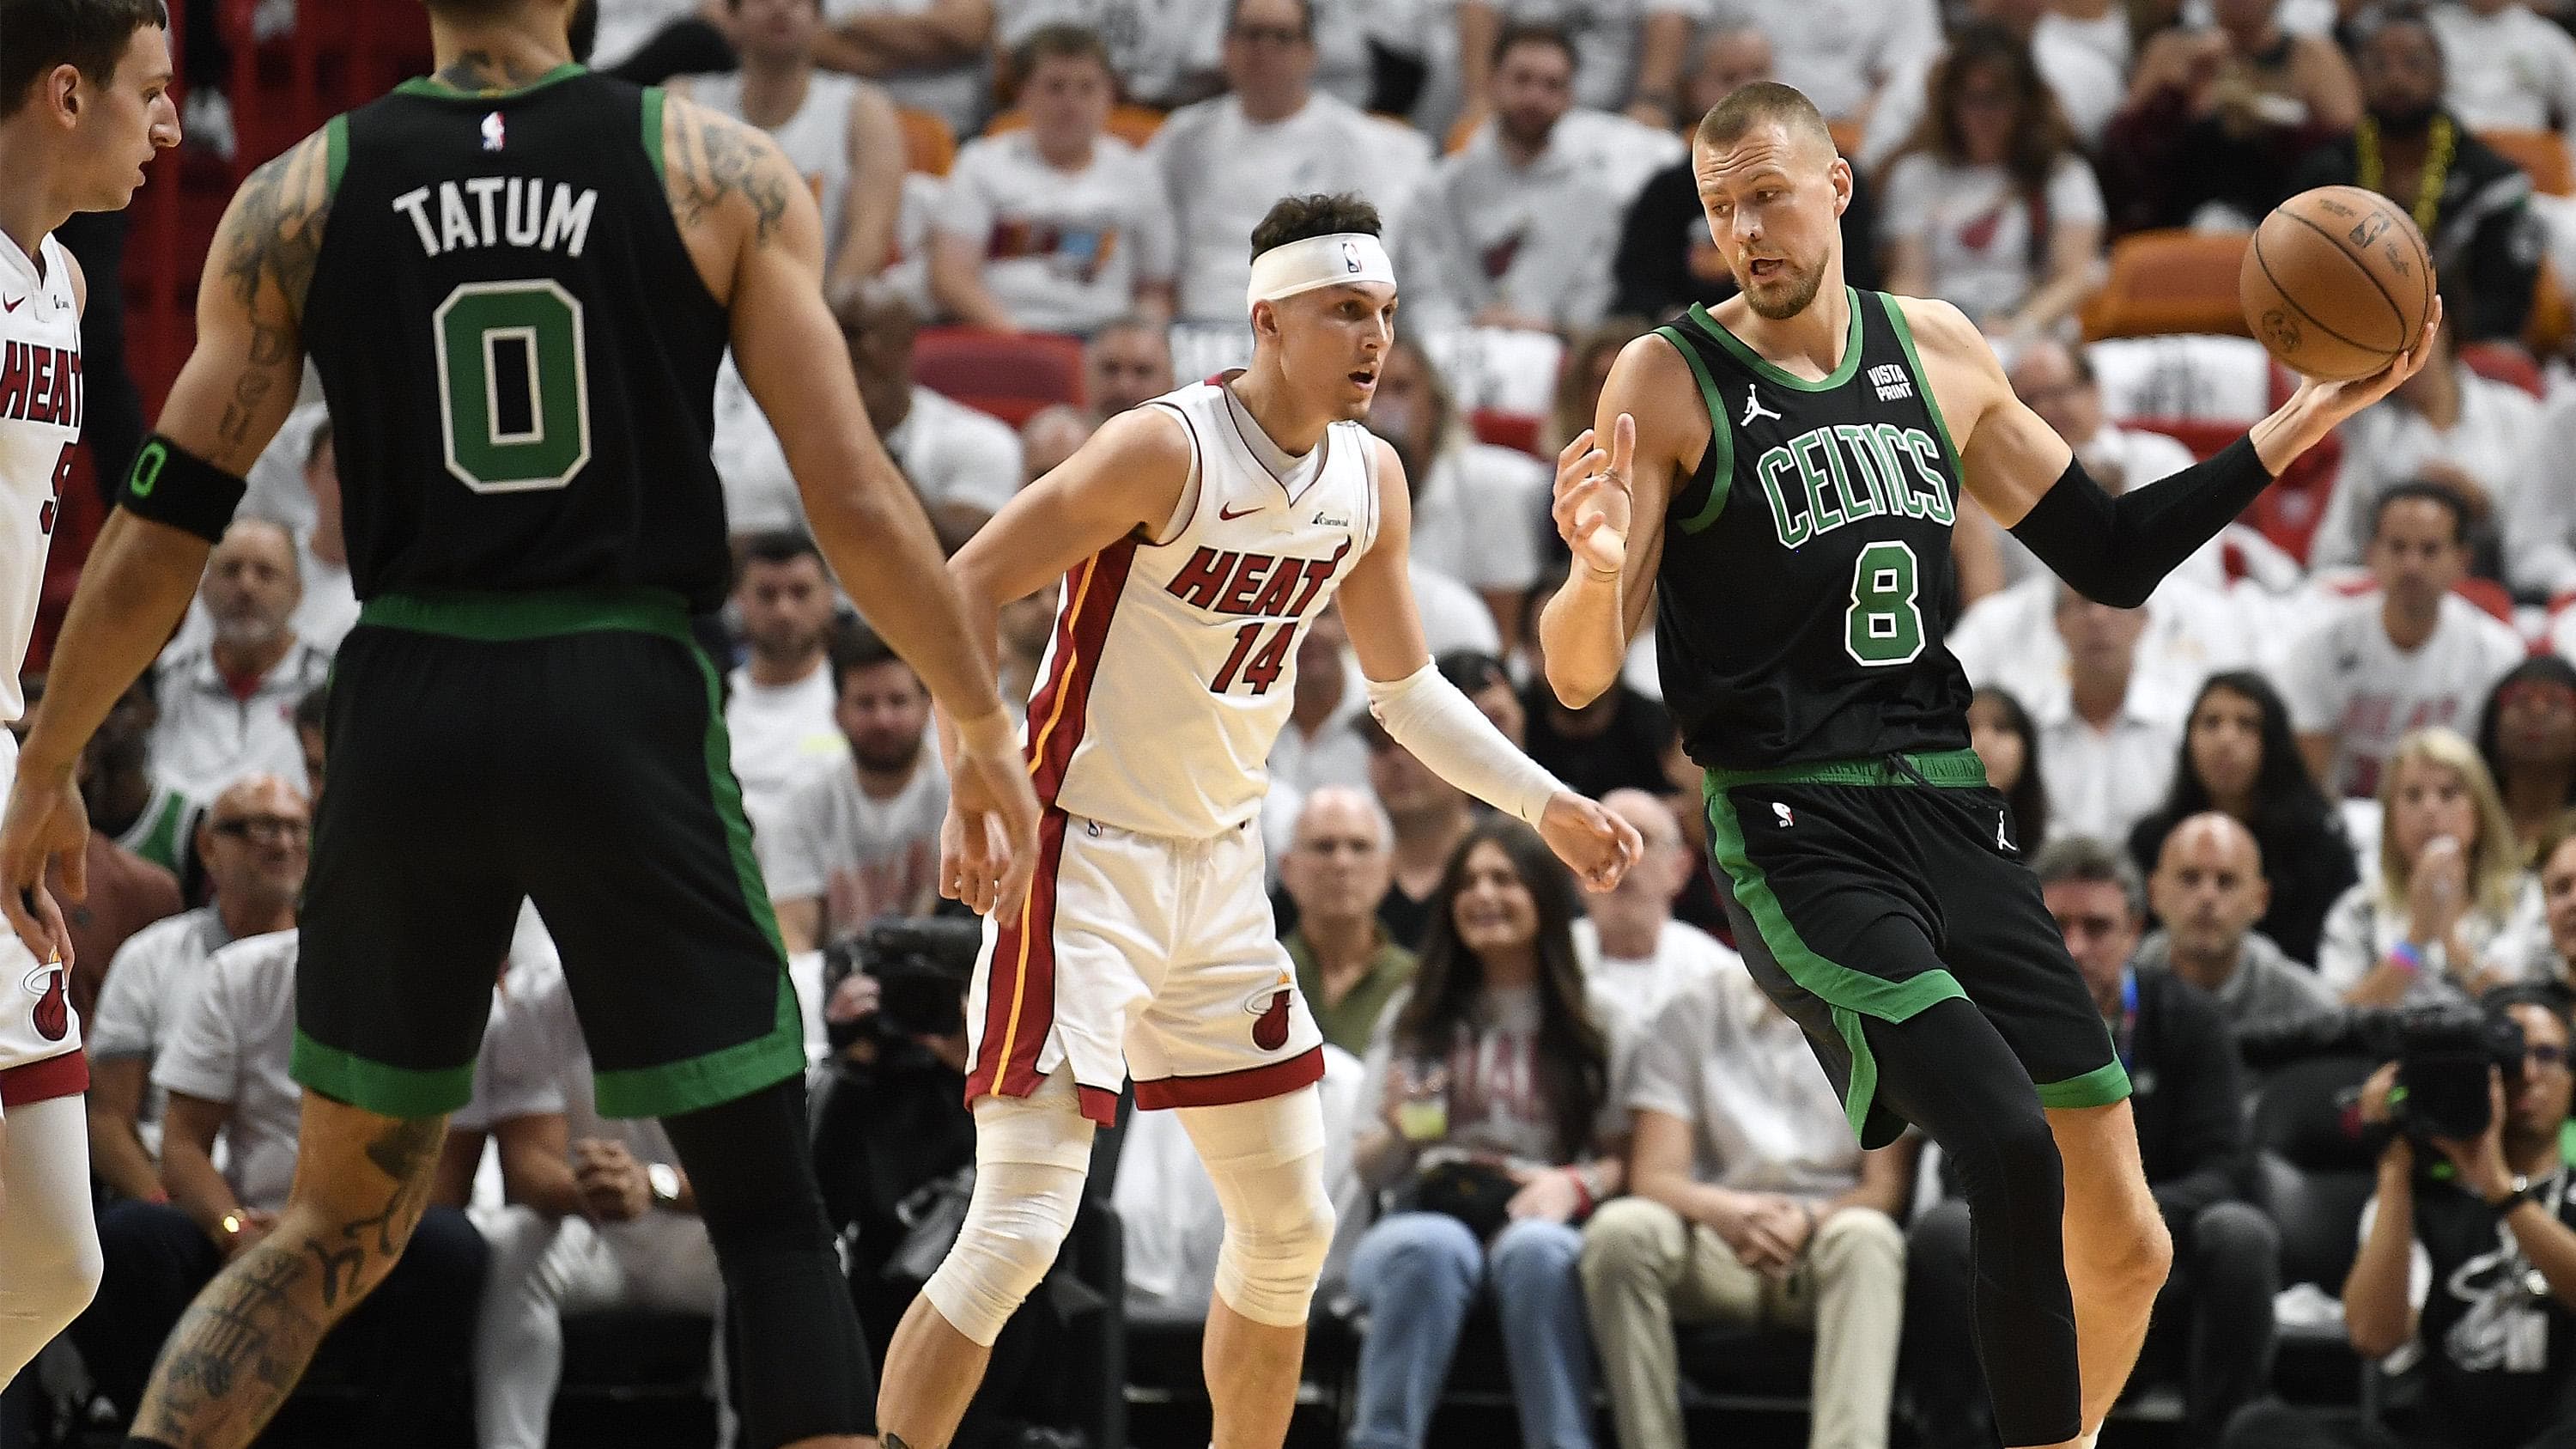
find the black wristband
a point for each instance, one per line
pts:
(170, 485)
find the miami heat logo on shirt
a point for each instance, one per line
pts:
(49, 984)
(1268, 1009)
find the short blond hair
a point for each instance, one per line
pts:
(1755, 102)
(2495, 858)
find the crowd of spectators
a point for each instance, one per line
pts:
(2324, 772)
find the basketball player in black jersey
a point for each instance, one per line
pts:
(1777, 478)
(517, 280)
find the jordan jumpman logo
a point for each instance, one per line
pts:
(1753, 408)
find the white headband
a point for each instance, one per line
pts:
(1318, 261)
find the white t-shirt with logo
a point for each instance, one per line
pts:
(1974, 224)
(2347, 679)
(861, 856)
(781, 734)
(1063, 250)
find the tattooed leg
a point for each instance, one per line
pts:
(361, 1184)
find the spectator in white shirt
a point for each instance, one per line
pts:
(328, 607)
(2540, 530)
(1991, 205)
(778, 703)
(1633, 951)
(227, 704)
(2218, 116)
(1479, 511)
(964, 464)
(2509, 69)
(840, 134)
(2088, 88)
(1057, 226)
(225, 1068)
(1751, 1204)
(2107, 742)
(928, 54)
(1126, 363)
(861, 842)
(2450, 912)
(1225, 160)
(1458, 52)
(600, 1216)
(1515, 230)
(1321, 743)
(255, 843)
(1841, 52)
(2444, 425)
(2411, 656)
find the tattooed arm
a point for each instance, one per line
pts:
(227, 403)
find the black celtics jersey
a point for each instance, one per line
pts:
(518, 353)
(1806, 568)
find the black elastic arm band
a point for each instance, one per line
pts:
(2116, 550)
(171, 485)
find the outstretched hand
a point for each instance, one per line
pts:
(988, 840)
(1592, 499)
(2340, 400)
(1598, 843)
(46, 822)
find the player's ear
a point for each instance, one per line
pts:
(1838, 175)
(1265, 321)
(60, 93)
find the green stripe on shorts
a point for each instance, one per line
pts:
(2100, 1087)
(374, 1087)
(1953, 769)
(1851, 994)
(705, 1081)
(504, 617)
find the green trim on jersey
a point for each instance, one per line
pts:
(376, 1087)
(1950, 769)
(1771, 371)
(1721, 434)
(1923, 385)
(160, 833)
(1851, 994)
(501, 618)
(439, 90)
(335, 150)
(2100, 1087)
(653, 98)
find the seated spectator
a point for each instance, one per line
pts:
(1515, 229)
(328, 608)
(2007, 743)
(778, 702)
(1633, 950)
(626, 34)
(2411, 656)
(1223, 160)
(1027, 626)
(1126, 362)
(1666, 260)
(1488, 686)
(2108, 739)
(1843, 53)
(861, 841)
(2446, 426)
(2472, 203)
(1479, 511)
(1751, 1204)
(2527, 736)
(2188, 1096)
(1321, 743)
(2208, 888)
(2218, 117)
(1494, 1127)
(1431, 817)
(224, 1066)
(1990, 205)
(2465, 1250)
(1057, 226)
(2556, 867)
(930, 55)
(964, 464)
(1617, 741)
(2240, 760)
(2057, 382)
(225, 704)
(600, 1216)
(2509, 68)
(256, 843)
(129, 813)
(1337, 869)
(1050, 436)
(2087, 87)
(840, 134)
(2452, 913)
(2010, 638)
(2540, 528)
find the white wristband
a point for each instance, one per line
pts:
(1428, 715)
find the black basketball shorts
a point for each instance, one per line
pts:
(567, 748)
(1875, 888)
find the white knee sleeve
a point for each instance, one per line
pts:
(1266, 1159)
(1031, 1155)
(49, 1258)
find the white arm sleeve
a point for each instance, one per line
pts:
(1426, 714)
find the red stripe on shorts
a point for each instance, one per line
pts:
(1219, 1089)
(1060, 711)
(66, 1075)
(1019, 995)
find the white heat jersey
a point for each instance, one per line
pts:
(1173, 664)
(41, 403)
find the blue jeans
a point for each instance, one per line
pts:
(1418, 1274)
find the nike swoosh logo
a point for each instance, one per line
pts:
(12, 306)
(1229, 514)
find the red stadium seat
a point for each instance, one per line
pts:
(2541, 154)
(2170, 281)
(928, 144)
(2289, 510)
(1505, 430)
(2503, 362)
(1010, 375)
(1132, 124)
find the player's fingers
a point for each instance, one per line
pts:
(1576, 449)
(1020, 869)
(1582, 470)
(50, 916)
(76, 874)
(20, 906)
(1623, 443)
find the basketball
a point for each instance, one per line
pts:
(2336, 283)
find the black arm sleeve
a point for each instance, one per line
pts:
(2116, 550)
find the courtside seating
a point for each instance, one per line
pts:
(928, 144)
(2169, 281)
(1132, 124)
(2541, 154)
(1008, 374)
